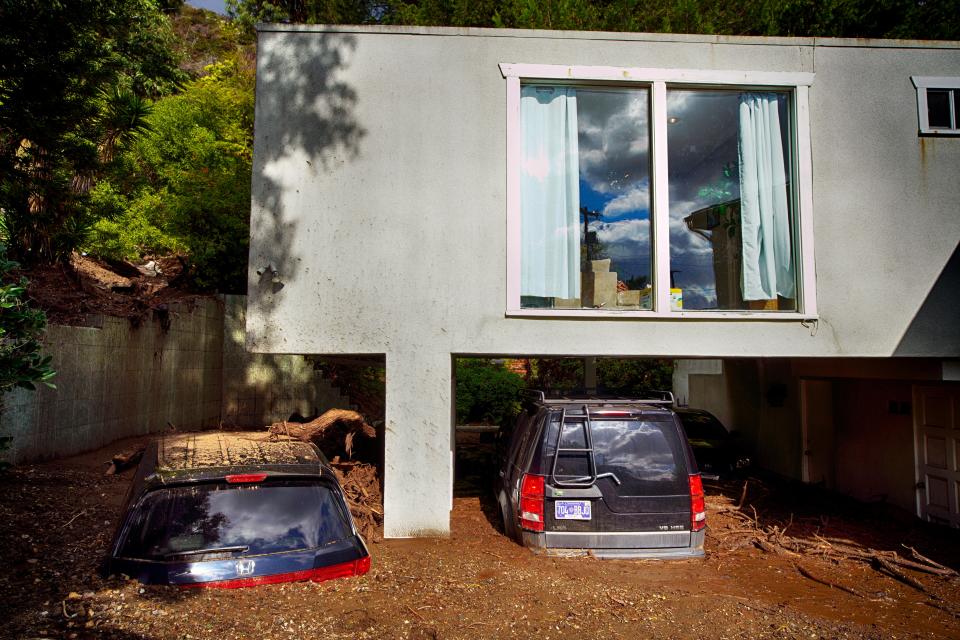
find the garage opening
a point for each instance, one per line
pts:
(489, 393)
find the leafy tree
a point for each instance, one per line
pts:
(68, 72)
(936, 19)
(21, 362)
(556, 374)
(618, 376)
(486, 392)
(202, 38)
(247, 13)
(184, 185)
(634, 377)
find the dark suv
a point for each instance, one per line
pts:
(231, 510)
(612, 477)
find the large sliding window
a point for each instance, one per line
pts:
(585, 197)
(731, 229)
(663, 197)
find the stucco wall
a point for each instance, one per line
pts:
(379, 214)
(260, 389)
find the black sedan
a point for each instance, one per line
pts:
(716, 449)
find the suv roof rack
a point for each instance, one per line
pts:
(581, 398)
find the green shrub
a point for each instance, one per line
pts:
(21, 327)
(615, 376)
(128, 229)
(187, 181)
(634, 377)
(487, 393)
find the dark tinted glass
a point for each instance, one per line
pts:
(710, 135)
(938, 108)
(646, 457)
(263, 518)
(702, 426)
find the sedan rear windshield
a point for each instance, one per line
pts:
(701, 425)
(644, 457)
(201, 521)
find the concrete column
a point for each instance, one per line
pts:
(418, 455)
(590, 374)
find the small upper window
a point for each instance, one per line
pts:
(938, 105)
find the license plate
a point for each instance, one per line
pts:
(572, 509)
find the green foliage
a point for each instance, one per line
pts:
(616, 376)
(22, 363)
(65, 67)
(486, 392)
(203, 38)
(634, 377)
(556, 374)
(936, 19)
(247, 13)
(185, 184)
(129, 228)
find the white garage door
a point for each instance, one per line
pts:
(936, 418)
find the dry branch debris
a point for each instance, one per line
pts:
(341, 433)
(748, 528)
(361, 487)
(833, 585)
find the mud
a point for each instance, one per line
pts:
(56, 520)
(76, 292)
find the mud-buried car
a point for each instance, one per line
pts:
(231, 510)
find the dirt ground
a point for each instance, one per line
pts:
(56, 520)
(71, 293)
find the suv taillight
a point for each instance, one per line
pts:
(698, 507)
(531, 502)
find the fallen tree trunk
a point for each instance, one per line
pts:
(338, 433)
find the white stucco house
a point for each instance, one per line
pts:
(779, 215)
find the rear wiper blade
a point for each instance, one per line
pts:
(202, 552)
(610, 475)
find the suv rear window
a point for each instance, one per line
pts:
(645, 456)
(223, 518)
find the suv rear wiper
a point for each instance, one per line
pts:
(593, 480)
(202, 552)
(612, 475)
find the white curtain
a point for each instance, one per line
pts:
(549, 193)
(768, 268)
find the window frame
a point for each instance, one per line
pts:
(922, 84)
(658, 81)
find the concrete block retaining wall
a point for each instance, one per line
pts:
(184, 368)
(261, 388)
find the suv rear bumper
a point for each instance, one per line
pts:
(617, 544)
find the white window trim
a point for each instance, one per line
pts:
(922, 83)
(657, 80)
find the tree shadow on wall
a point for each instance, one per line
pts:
(935, 329)
(304, 127)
